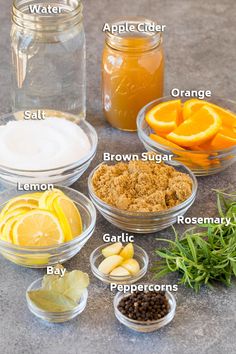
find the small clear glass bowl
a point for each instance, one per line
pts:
(144, 326)
(64, 175)
(202, 163)
(42, 257)
(55, 317)
(140, 222)
(97, 257)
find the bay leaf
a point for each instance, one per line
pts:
(49, 300)
(71, 285)
(48, 280)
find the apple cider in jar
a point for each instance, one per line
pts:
(132, 71)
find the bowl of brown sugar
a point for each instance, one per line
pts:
(142, 196)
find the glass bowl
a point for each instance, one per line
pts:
(144, 326)
(42, 257)
(55, 317)
(97, 257)
(140, 222)
(202, 163)
(64, 175)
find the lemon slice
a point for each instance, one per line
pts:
(20, 205)
(7, 234)
(45, 201)
(30, 200)
(37, 228)
(9, 215)
(66, 210)
(50, 200)
(63, 220)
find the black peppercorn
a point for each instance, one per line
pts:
(144, 306)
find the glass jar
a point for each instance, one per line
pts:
(48, 54)
(132, 72)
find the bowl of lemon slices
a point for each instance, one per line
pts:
(44, 228)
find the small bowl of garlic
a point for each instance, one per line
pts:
(118, 263)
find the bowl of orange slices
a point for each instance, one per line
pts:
(44, 228)
(201, 134)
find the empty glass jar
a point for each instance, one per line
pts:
(48, 54)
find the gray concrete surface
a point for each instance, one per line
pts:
(201, 53)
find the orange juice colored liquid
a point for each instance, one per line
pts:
(132, 78)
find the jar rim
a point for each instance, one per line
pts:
(143, 31)
(71, 16)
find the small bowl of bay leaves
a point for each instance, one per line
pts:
(58, 299)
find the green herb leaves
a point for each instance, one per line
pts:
(50, 301)
(71, 285)
(204, 254)
(59, 294)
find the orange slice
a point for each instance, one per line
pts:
(165, 142)
(188, 158)
(206, 159)
(203, 147)
(226, 138)
(201, 127)
(165, 117)
(192, 106)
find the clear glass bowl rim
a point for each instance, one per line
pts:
(119, 296)
(74, 165)
(144, 215)
(81, 304)
(109, 278)
(149, 141)
(60, 247)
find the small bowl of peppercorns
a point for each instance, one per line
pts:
(145, 311)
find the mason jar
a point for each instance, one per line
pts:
(48, 56)
(132, 71)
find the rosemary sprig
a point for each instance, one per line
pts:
(204, 254)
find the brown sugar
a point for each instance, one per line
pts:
(144, 186)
